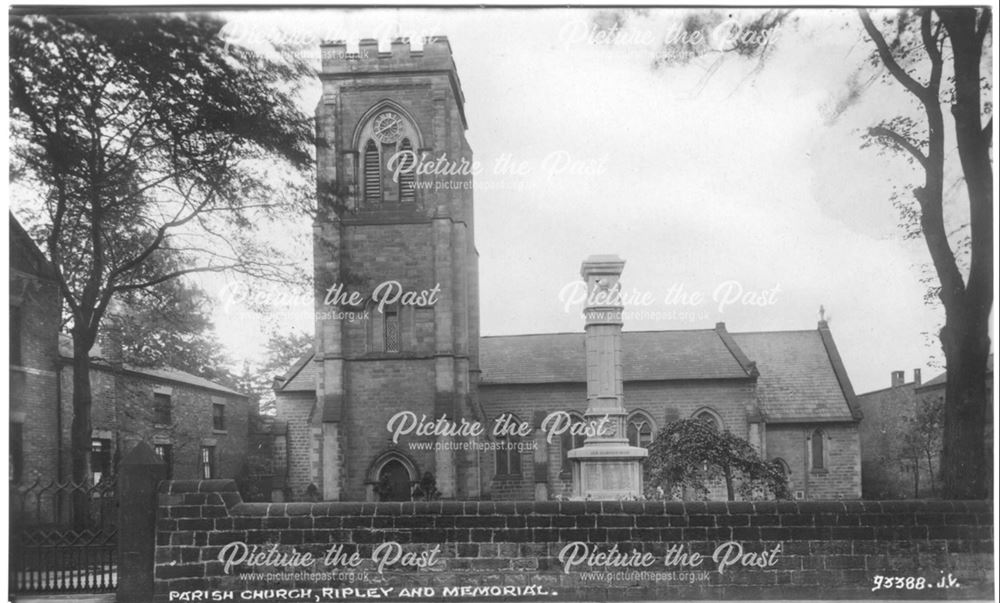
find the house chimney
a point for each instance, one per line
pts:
(898, 378)
(916, 378)
(111, 339)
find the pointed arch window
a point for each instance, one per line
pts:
(710, 417)
(640, 430)
(407, 172)
(373, 173)
(818, 448)
(508, 453)
(570, 441)
(387, 139)
(391, 331)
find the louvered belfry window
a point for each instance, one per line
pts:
(373, 173)
(407, 172)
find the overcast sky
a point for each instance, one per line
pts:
(707, 179)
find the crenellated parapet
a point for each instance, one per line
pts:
(434, 57)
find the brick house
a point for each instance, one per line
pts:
(34, 360)
(199, 427)
(889, 471)
(885, 475)
(386, 232)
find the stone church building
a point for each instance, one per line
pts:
(399, 368)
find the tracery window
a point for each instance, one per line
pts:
(387, 145)
(640, 430)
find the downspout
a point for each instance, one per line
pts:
(59, 427)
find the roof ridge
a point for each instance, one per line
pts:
(887, 388)
(769, 331)
(296, 368)
(533, 334)
(748, 366)
(839, 370)
(102, 363)
(624, 332)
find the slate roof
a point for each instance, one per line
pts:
(939, 380)
(798, 378)
(801, 377)
(25, 254)
(560, 358)
(165, 374)
(646, 356)
(301, 376)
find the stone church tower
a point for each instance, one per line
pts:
(396, 273)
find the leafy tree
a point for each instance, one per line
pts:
(147, 137)
(921, 441)
(940, 57)
(283, 350)
(168, 325)
(692, 453)
(968, 301)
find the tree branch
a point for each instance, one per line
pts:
(983, 25)
(930, 45)
(175, 274)
(899, 140)
(161, 234)
(887, 59)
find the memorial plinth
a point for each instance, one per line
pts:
(606, 467)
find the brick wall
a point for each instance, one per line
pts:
(827, 549)
(124, 413)
(841, 476)
(33, 380)
(886, 472)
(295, 409)
(379, 390)
(33, 402)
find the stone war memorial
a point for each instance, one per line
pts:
(625, 446)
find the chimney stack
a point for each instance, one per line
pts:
(898, 378)
(916, 378)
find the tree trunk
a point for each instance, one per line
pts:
(963, 457)
(965, 336)
(930, 472)
(81, 431)
(730, 495)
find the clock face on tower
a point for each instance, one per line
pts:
(388, 127)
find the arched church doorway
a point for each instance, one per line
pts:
(394, 481)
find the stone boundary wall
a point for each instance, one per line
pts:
(509, 550)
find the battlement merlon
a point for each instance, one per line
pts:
(435, 57)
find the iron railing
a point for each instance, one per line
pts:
(54, 549)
